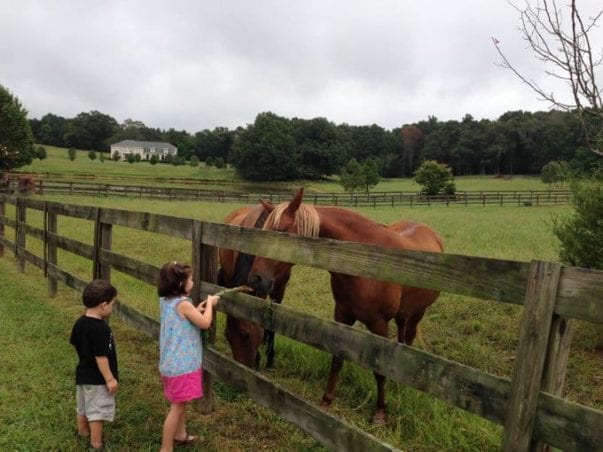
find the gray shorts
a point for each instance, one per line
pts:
(95, 402)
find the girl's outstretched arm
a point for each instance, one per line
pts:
(201, 319)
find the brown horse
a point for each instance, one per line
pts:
(372, 302)
(245, 337)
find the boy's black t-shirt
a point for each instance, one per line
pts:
(92, 337)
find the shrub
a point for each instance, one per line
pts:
(71, 153)
(41, 153)
(194, 160)
(581, 233)
(554, 173)
(116, 156)
(220, 163)
(435, 178)
(92, 155)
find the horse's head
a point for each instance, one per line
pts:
(293, 218)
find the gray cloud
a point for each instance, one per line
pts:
(195, 65)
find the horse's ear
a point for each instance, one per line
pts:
(268, 206)
(295, 202)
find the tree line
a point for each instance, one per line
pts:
(277, 148)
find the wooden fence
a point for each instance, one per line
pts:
(529, 405)
(374, 199)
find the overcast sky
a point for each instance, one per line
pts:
(194, 65)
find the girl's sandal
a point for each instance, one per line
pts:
(190, 439)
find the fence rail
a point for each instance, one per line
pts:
(528, 405)
(373, 199)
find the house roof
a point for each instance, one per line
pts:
(144, 144)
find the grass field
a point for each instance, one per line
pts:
(477, 333)
(143, 173)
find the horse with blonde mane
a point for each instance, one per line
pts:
(244, 336)
(372, 302)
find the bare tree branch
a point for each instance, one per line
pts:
(569, 54)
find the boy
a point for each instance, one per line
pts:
(96, 373)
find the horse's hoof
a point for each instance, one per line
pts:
(325, 403)
(379, 418)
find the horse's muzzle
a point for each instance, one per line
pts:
(260, 285)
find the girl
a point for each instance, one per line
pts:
(180, 348)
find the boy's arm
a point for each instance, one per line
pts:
(103, 365)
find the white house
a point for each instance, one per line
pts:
(146, 149)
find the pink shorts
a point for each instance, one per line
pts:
(183, 388)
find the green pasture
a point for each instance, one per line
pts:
(142, 173)
(481, 334)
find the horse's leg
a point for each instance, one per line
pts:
(412, 327)
(401, 324)
(277, 295)
(380, 328)
(336, 362)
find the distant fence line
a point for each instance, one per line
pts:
(529, 406)
(373, 199)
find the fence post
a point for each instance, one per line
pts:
(51, 256)
(530, 357)
(204, 262)
(555, 364)
(102, 240)
(20, 232)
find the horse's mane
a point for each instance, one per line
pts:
(307, 220)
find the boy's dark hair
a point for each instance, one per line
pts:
(172, 277)
(97, 292)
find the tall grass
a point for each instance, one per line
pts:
(478, 333)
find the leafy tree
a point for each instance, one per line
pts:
(320, 147)
(49, 130)
(116, 157)
(90, 130)
(154, 159)
(264, 150)
(40, 153)
(555, 172)
(412, 140)
(92, 155)
(586, 164)
(71, 153)
(581, 233)
(370, 174)
(213, 143)
(130, 158)
(433, 177)
(220, 163)
(194, 160)
(16, 139)
(351, 176)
